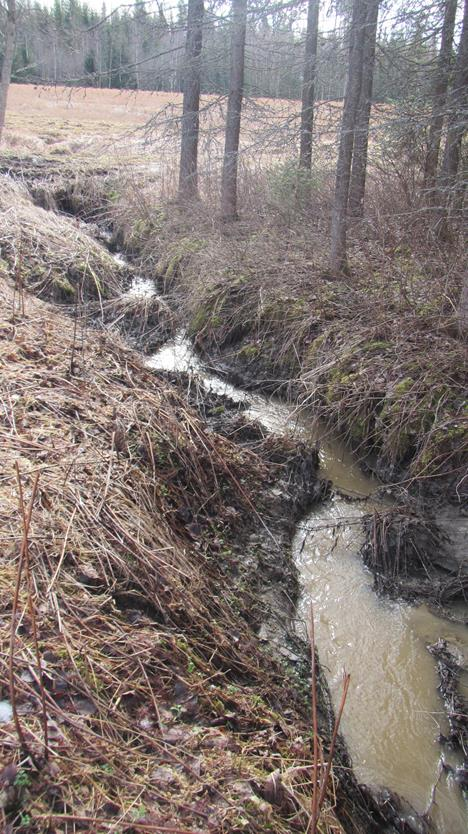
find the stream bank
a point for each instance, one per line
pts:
(355, 629)
(151, 535)
(288, 507)
(377, 356)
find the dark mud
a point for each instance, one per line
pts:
(261, 557)
(56, 186)
(412, 558)
(452, 669)
(146, 323)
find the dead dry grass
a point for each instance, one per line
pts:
(377, 354)
(63, 124)
(50, 254)
(142, 699)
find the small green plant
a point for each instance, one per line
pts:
(291, 186)
(139, 812)
(22, 779)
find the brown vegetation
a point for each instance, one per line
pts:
(153, 706)
(377, 355)
(50, 255)
(87, 123)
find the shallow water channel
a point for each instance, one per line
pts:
(393, 715)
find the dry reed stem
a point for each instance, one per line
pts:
(50, 254)
(26, 518)
(132, 602)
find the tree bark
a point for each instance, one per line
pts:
(361, 134)
(7, 63)
(458, 116)
(439, 98)
(463, 307)
(308, 84)
(338, 261)
(188, 170)
(234, 108)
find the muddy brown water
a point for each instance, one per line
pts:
(394, 714)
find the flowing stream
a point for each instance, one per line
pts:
(393, 714)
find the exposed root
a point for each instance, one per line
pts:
(410, 557)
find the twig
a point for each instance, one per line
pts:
(315, 809)
(346, 681)
(22, 557)
(32, 610)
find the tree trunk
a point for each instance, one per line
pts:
(457, 119)
(338, 261)
(463, 307)
(308, 84)
(188, 171)
(439, 97)
(7, 63)
(361, 134)
(234, 107)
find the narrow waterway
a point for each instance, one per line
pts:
(393, 715)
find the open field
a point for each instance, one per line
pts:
(83, 122)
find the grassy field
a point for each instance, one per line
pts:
(82, 122)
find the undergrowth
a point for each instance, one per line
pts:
(377, 353)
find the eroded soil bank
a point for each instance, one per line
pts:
(384, 645)
(158, 572)
(252, 561)
(163, 708)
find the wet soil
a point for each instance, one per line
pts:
(412, 558)
(452, 669)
